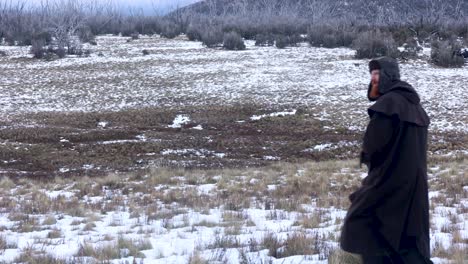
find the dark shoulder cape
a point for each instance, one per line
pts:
(402, 102)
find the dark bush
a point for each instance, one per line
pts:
(135, 35)
(212, 37)
(411, 48)
(233, 41)
(3, 53)
(87, 53)
(464, 53)
(145, 52)
(9, 39)
(37, 48)
(193, 33)
(447, 53)
(461, 29)
(281, 41)
(86, 36)
(170, 30)
(264, 40)
(60, 52)
(46, 36)
(285, 25)
(243, 26)
(328, 37)
(127, 31)
(402, 35)
(50, 56)
(73, 50)
(295, 39)
(371, 44)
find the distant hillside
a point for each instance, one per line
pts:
(370, 10)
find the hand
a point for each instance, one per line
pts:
(364, 158)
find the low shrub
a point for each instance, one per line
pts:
(233, 41)
(212, 37)
(281, 41)
(447, 54)
(264, 40)
(371, 44)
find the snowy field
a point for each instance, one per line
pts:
(194, 155)
(179, 72)
(283, 213)
(188, 106)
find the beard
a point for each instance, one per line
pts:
(374, 93)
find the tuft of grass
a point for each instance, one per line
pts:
(49, 220)
(6, 183)
(310, 221)
(196, 258)
(339, 256)
(458, 254)
(5, 244)
(89, 226)
(271, 242)
(55, 233)
(224, 241)
(133, 247)
(102, 253)
(298, 244)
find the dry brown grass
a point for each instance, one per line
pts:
(223, 241)
(6, 244)
(196, 258)
(35, 146)
(298, 244)
(343, 257)
(165, 195)
(54, 233)
(271, 242)
(247, 142)
(310, 221)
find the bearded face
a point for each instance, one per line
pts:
(375, 76)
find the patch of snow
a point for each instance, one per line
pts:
(277, 114)
(195, 152)
(206, 188)
(271, 158)
(102, 124)
(220, 155)
(88, 166)
(55, 194)
(331, 146)
(322, 147)
(63, 170)
(180, 120)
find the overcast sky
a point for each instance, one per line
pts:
(159, 3)
(145, 5)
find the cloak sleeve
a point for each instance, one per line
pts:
(378, 140)
(378, 134)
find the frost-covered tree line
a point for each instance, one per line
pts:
(373, 27)
(62, 26)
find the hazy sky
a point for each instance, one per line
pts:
(162, 3)
(150, 5)
(146, 5)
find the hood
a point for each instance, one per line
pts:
(397, 98)
(389, 80)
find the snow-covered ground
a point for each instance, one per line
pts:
(281, 214)
(178, 72)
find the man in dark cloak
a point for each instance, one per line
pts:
(388, 220)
